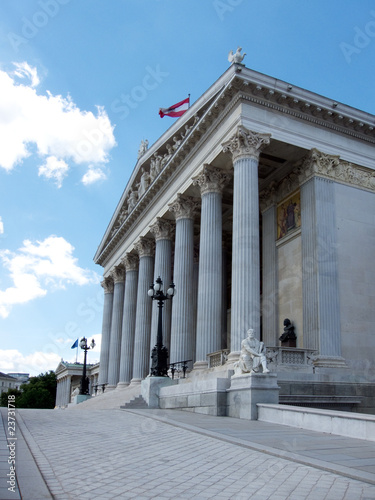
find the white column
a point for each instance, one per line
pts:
(108, 286)
(245, 147)
(269, 278)
(142, 353)
(321, 305)
(128, 325)
(163, 232)
(58, 393)
(118, 276)
(210, 182)
(224, 299)
(183, 305)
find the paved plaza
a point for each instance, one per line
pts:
(143, 454)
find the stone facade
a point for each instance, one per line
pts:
(259, 205)
(69, 378)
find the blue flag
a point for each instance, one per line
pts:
(75, 344)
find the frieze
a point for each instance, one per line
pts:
(330, 166)
(246, 143)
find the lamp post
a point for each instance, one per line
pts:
(159, 355)
(84, 388)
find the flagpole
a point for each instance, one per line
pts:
(76, 353)
(189, 100)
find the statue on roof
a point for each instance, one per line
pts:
(142, 148)
(237, 57)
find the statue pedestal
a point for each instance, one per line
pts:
(247, 390)
(80, 398)
(150, 387)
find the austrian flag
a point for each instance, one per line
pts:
(175, 110)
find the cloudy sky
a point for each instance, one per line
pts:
(81, 83)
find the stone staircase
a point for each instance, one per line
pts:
(137, 403)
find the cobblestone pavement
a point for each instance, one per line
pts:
(115, 454)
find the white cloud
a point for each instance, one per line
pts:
(93, 175)
(1, 226)
(53, 123)
(13, 361)
(38, 268)
(54, 169)
(25, 70)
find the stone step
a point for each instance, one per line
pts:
(135, 403)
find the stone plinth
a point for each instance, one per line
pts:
(80, 398)
(150, 387)
(246, 391)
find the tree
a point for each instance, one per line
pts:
(39, 392)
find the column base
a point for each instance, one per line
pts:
(122, 385)
(200, 365)
(330, 362)
(233, 356)
(135, 381)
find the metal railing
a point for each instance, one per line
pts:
(179, 367)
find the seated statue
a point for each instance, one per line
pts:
(252, 356)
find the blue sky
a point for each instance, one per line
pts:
(81, 83)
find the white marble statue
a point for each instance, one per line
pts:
(155, 166)
(132, 200)
(252, 356)
(237, 57)
(144, 183)
(75, 392)
(142, 148)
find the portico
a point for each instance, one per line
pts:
(261, 169)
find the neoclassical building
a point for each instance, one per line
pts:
(258, 203)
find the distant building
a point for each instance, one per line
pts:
(69, 378)
(259, 204)
(21, 377)
(8, 382)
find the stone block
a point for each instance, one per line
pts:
(248, 390)
(150, 388)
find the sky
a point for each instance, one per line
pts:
(81, 83)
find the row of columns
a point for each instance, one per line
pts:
(129, 333)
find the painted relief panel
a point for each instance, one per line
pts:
(289, 215)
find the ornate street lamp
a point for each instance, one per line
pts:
(159, 355)
(84, 388)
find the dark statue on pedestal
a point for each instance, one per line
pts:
(288, 338)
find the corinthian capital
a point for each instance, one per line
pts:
(107, 284)
(319, 163)
(211, 180)
(118, 274)
(246, 143)
(184, 207)
(145, 247)
(130, 262)
(162, 229)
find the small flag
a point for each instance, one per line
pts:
(75, 344)
(175, 110)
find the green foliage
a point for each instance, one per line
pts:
(39, 392)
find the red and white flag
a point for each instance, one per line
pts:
(175, 110)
